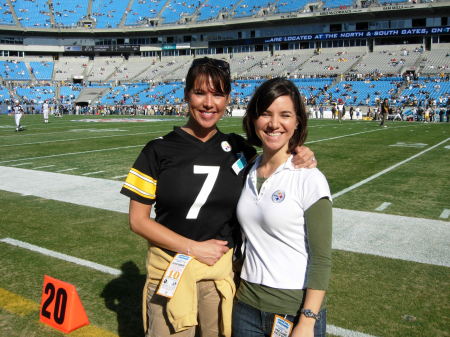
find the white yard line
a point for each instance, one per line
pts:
(72, 153)
(376, 175)
(334, 330)
(120, 177)
(21, 164)
(383, 206)
(67, 169)
(78, 139)
(92, 173)
(445, 214)
(353, 134)
(61, 256)
(364, 232)
(41, 167)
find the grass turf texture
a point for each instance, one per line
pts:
(368, 294)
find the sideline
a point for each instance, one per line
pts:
(356, 231)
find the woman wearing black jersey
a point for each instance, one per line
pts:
(195, 176)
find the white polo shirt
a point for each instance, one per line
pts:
(273, 222)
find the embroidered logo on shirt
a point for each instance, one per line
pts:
(226, 146)
(278, 196)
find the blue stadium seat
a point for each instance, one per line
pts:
(14, 71)
(69, 13)
(108, 14)
(248, 8)
(37, 94)
(43, 71)
(6, 17)
(142, 10)
(32, 13)
(176, 9)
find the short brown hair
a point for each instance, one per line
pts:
(263, 97)
(206, 68)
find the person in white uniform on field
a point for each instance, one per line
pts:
(45, 111)
(285, 215)
(18, 114)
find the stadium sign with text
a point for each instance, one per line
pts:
(360, 35)
(107, 49)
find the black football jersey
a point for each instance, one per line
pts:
(192, 183)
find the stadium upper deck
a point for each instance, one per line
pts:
(146, 42)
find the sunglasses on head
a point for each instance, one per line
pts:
(221, 64)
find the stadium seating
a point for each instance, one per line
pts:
(142, 10)
(32, 13)
(212, 8)
(6, 17)
(68, 94)
(14, 71)
(69, 13)
(162, 94)
(289, 6)
(331, 61)
(388, 60)
(102, 68)
(357, 92)
(174, 10)
(108, 14)
(436, 61)
(42, 71)
(4, 94)
(36, 94)
(67, 67)
(124, 94)
(247, 8)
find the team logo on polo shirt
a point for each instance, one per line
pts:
(278, 196)
(226, 146)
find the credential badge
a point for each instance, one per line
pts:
(226, 146)
(278, 196)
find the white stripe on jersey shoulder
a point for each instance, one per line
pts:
(142, 176)
(129, 186)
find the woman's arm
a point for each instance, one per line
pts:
(208, 252)
(318, 219)
(313, 301)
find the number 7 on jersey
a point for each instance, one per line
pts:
(212, 174)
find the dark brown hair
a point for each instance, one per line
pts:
(263, 97)
(206, 68)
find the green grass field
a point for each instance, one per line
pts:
(369, 294)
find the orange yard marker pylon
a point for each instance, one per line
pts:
(61, 306)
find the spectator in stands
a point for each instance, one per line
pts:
(384, 111)
(195, 214)
(285, 215)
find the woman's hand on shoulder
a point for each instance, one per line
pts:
(210, 251)
(304, 157)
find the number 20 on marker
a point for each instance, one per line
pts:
(61, 306)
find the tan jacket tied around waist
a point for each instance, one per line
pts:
(182, 307)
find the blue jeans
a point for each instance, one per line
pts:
(251, 322)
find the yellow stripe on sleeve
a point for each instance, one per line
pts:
(141, 184)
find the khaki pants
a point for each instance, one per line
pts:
(208, 312)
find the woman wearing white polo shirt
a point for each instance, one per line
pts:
(285, 214)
